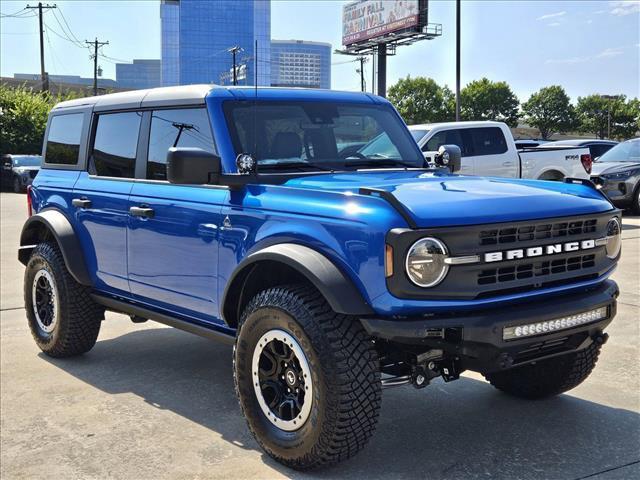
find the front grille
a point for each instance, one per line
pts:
(536, 232)
(541, 349)
(545, 268)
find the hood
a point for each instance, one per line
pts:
(436, 199)
(598, 168)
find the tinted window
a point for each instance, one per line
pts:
(488, 141)
(63, 141)
(448, 137)
(115, 144)
(176, 128)
(418, 134)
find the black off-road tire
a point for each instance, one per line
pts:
(79, 317)
(547, 377)
(635, 203)
(344, 368)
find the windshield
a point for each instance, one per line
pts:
(324, 136)
(27, 161)
(623, 152)
(418, 134)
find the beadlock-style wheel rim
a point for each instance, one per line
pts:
(44, 297)
(282, 380)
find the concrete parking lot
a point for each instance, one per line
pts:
(150, 402)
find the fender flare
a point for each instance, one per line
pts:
(336, 287)
(57, 224)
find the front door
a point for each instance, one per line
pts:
(174, 229)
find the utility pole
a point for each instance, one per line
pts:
(457, 60)
(234, 50)
(96, 44)
(43, 75)
(363, 60)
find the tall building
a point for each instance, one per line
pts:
(139, 74)
(299, 63)
(197, 37)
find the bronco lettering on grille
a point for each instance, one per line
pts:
(539, 251)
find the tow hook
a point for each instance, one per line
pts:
(601, 338)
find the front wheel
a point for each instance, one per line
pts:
(17, 185)
(307, 379)
(547, 377)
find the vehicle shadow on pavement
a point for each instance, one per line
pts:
(465, 429)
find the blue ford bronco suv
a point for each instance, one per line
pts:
(303, 227)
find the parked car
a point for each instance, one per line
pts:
(488, 149)
(18, 171)
(617, 172)
(244, 215)
(597, 147)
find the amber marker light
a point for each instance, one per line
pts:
(388, 260)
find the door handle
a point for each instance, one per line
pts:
(81, 202)
(141, 211)
(507, 164)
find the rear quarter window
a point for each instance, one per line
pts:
(63, 140)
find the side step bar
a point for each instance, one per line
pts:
(131, 309)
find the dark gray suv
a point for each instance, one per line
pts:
(618, 174)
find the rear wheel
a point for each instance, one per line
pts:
(547, 377)
(63, 319)
(307, 378)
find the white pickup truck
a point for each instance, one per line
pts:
(488, 149)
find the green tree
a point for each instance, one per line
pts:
(23, 118)
(550, 111)
(597, 114)
(421, 100)
(486, 100)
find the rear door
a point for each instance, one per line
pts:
(173, 235)
(101, 198)
(490, 153)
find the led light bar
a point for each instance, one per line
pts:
(563, 323)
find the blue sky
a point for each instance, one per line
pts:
(587, 47)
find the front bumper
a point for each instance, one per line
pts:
(475, 339)
(620, 192)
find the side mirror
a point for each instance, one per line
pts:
(449, 156)
(192, 166)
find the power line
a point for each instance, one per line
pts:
(64, 19)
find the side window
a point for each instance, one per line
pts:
(115, 144)
(447, 137)
(488, 141)
(187, 127)
(63, 141)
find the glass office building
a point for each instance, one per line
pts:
(197, 36)
(139, 74)
(299, 63)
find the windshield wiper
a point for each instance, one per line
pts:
(380, 162)
(300, 166)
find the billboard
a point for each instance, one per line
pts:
(366, 19)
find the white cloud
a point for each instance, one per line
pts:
(554, 24)
(622, 7)
(609, 52)
(606, 53)
(551, 15)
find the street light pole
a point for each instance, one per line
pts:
(457, 60)
(234, 50)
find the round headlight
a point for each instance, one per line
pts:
(425, 262)
(614, 239)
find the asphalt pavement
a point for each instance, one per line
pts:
(150, 402)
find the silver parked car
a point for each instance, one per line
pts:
(618, 174)
(18, 171)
